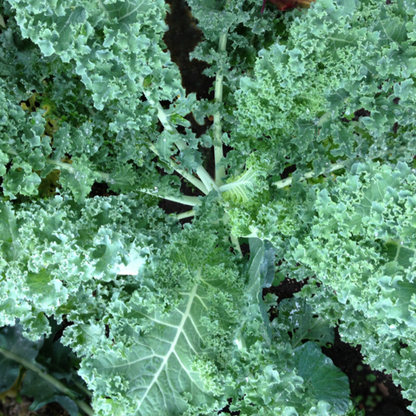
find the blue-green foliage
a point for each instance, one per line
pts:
(169, 319)
(304, 89)
(362, 246)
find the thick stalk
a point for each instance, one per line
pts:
(186, 214)
(50, 379)
(218, 145)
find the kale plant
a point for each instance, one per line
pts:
(166, 311)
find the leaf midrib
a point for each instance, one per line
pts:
(179, 331)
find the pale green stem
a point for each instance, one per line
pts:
(106, 177)
(2, 22)
(50, 379)
(62, 165)
(232, 185)
(236, 243)
(184, 199)
(201, 172)
(82, 388)
(336, 166)
(196, 182)
(218, 145)
(186, 214)
(206, 179)
(288, 181)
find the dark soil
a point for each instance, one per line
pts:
(373, 390)
(20, 407)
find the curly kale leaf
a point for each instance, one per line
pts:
(336, 61)
(362, 250)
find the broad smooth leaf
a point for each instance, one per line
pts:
(322, 379)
